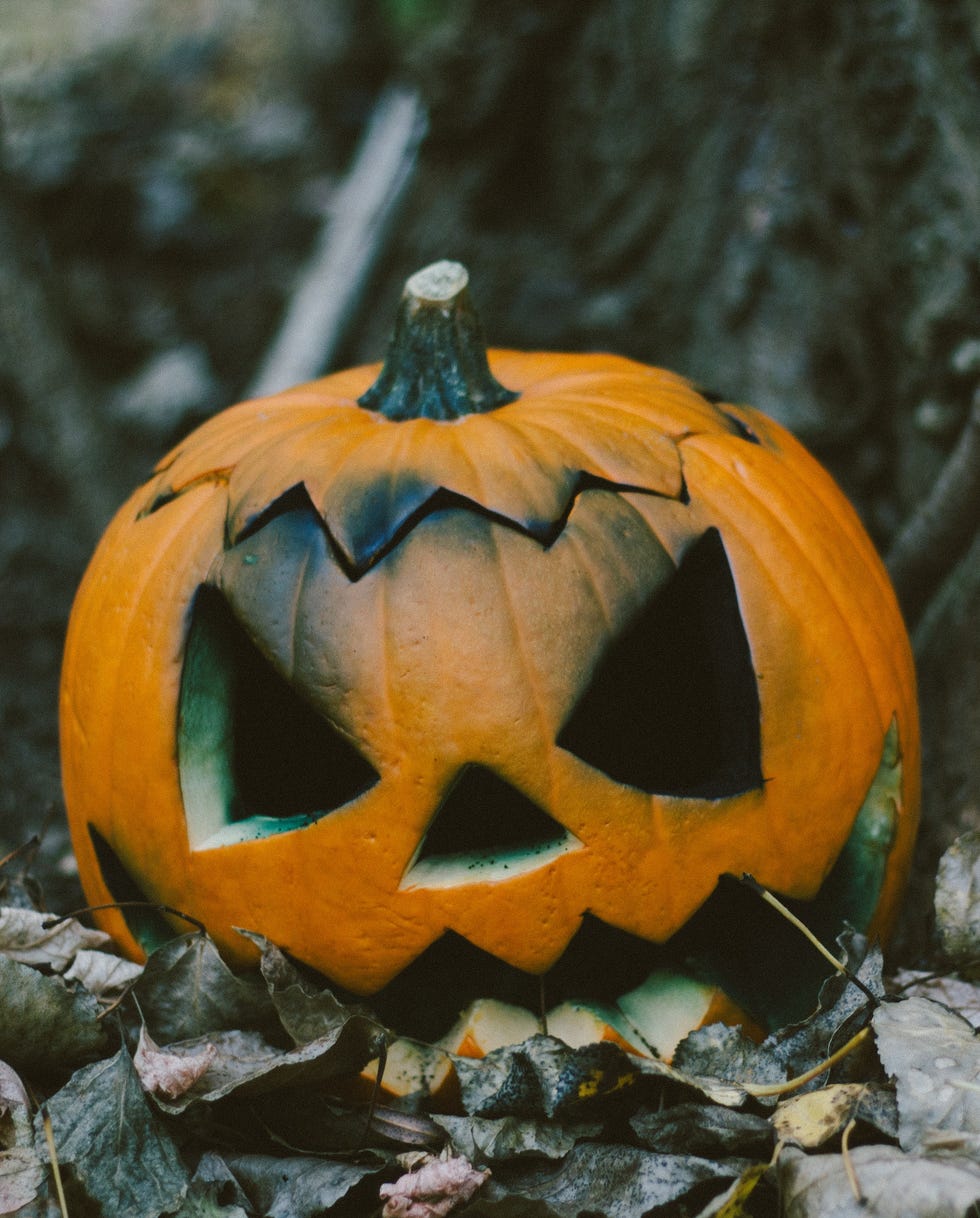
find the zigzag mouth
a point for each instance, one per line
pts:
(735, 942)
(720, 945)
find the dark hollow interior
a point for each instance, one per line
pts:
(286, 759)
(673, 705)
(482, 814)
(141, 914)
(736, 941)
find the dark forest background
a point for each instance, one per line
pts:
(778, 199)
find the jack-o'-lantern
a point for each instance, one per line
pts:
(473, 681)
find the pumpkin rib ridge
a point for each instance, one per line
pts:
(792, 487)
(884, 636)
(783, 444)
(600, 469)
(260, 468)
(803, 558)
(513, 618)
(121, 768)
(804, 555)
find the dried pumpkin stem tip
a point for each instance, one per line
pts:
(436, 366)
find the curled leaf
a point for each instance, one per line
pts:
(170, 1074)
(485, 1141)
(432, 1191)
(35, 938)
(101, 974)
(815, 1117)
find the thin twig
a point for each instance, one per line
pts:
(941, 528)
(808, 934)
(349, 245)
(845, 1149)
(32, 843)
(53, 1155)
(761, 1090)
(160, 908)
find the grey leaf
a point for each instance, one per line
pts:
(299, 1187)
(45, 1024)
(187, 990)
(307, 1012)
(213, 1192)
(892, 1184)
(727, 1053)
(958, 899)
(707, 1130)
(615, 1181)
(245, 1062)
(963, 996)
(934, 1056)
(112, 1146)
(543, 1077)
(484, 1141)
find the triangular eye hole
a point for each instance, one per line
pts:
(255, 758)
(485, 829)
(673, 705)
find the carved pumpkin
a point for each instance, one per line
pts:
(455, 690)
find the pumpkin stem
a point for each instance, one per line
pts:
(436, 366)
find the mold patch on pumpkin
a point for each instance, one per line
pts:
(254, 757)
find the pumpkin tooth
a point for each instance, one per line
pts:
(668, 1005)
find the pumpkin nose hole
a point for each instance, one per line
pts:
(485, 829)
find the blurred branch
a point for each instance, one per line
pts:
(353, 237)
(939, 531)
(59, 427)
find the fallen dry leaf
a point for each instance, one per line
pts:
(26, 937)
(433, 1191)
(170, 1075)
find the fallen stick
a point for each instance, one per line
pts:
(353, 237)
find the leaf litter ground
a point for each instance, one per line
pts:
(181, 1087)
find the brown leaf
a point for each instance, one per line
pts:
(434, 1190)
(170, 1074)
(26, 937)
